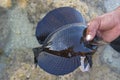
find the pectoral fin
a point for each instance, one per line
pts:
(36, 52)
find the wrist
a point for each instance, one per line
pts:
(116, 14)
(117, 11)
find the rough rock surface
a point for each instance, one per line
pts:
(16, 60)
(4, 38)
(4, 29)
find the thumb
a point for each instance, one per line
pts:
(92, 29)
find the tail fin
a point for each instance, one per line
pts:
(36, 52)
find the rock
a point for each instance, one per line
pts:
(111, 5)
(111, 58)
(6, 3)
(4, 28)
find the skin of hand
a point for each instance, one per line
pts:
(106, 26)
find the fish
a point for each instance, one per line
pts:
(56, 19)
(63, 46)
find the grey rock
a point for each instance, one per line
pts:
(22, 33)
(110, 5)
(18, 36)
(4, 28)
(111, 58)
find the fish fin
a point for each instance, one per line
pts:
(89, 59)
(81, 40)
(36, 52)
(84, 64)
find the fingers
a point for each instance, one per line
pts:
(105, 26)
(92, 29)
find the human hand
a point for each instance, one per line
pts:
(106, 26)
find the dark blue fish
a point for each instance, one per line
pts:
(61, 34)
(55, 19)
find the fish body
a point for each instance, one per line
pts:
(61, 34)
(56, 19)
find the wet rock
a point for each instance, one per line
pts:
(22, 3)
(78, 75)
(97, 5)
(12, 3)
(103, 73)
(22, 67)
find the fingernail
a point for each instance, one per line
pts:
(88, 37)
